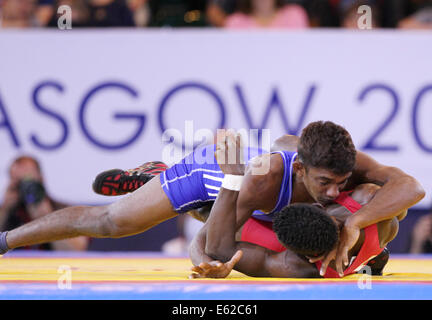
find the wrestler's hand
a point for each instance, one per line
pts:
(229, 152)
(215, 269)
(325, 260)
(347, 239)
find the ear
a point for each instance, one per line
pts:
(298, 168)
(339, 224)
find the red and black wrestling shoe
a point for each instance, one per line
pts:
(116, 182)
(378, 263)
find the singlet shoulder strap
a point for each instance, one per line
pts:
(345, 200)
(285, 192)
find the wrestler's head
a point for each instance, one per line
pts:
(306, 229)
(326, 159)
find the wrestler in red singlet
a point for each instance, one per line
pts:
(261, 233)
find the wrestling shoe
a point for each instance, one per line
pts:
(378, 263)
(116, 182)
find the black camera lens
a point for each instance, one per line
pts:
(31, 191)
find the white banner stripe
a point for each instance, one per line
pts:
(373, 109)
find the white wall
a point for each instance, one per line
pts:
(60, 92)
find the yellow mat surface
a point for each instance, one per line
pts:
(34, 269)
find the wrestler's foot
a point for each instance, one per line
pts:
(378, 263)
(117, 182)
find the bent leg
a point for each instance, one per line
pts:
(140, 210)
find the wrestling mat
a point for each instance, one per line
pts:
(34, 275)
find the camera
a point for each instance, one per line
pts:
(31, 191)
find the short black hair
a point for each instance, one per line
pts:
(306, 229)
(327, 145)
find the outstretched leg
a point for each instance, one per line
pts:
(135, 213)
(116, 182)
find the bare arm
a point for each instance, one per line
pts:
(221, 229)
(254, 189)
(256, 261)
(387, 229)
(398, 191)
(259, 191)
(219, 243)
(197, 247)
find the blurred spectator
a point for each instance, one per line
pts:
(390, 12)
(26, 199)
(322, 13)
(96, 13)
(110, 13)
(421, 241)
(419, 15)
(140, 12)
(44, 12)
(80, 13)
(350, 15)
(403, 14)
(267, 14)
(177, 13)
(218, 10)
(18, 13)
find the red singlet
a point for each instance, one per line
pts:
(261, 233)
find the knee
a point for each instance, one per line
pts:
(115, 224)
(110, 226)
(104, 225)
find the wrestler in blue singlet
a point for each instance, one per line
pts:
(195, 181)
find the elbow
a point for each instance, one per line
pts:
(408, 188)
(408, 185)
(416, 189)
(421, 192)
